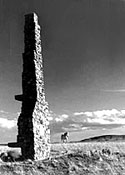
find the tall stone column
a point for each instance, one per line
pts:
(33, 125)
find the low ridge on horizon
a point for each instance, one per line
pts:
(104, 138)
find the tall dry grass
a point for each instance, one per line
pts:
(57, 149)
(106, 158)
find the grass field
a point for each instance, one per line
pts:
(105, 158)
(86, 147)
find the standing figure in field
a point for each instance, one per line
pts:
(64, 137)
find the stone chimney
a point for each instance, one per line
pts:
(33, 125)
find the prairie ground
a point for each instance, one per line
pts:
(106, 158)
(58, 149)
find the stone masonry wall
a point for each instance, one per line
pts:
(33, 124)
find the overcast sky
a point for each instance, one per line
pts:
(84, 64)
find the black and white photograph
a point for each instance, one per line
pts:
(62, 87)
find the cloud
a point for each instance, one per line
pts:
(74, 127)
(89, 114)
(100, 117)
(61, 118)
(87, 121)
(85, 128)
(3, 112)
(106, 117)
(50, 118)
(114, 90)
(8, 120)
(9, 115)
(64, 116)
(58, 119)
(5, 123)
(78, 113)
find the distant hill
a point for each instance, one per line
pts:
(105, 138)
